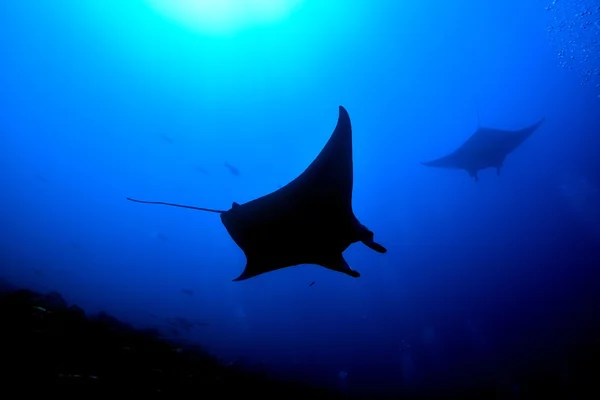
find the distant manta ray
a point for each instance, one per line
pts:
(308, 221)
(486, 148)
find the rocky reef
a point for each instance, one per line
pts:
(50, 348)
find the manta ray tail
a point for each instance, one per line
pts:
(176, 205)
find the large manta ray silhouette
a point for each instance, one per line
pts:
(308, 221)
(486, 148)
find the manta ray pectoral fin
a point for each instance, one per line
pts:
(338, 264)
(449, 161)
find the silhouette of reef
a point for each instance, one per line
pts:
(50, 348)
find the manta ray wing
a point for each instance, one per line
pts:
(515, 139)
(448, 161)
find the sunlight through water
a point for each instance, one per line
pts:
(224, 16)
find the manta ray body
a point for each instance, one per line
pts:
(486, 148)
(308, 221)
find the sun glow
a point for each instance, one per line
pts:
(224, 16)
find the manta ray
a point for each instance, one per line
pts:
(308, 221)
(486, 148)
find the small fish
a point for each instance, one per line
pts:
(232, 169)
(189, 292)
(40, 178)
(201, 170)
(159, 236)
(180, 323)
(312, 283)
(166, 139)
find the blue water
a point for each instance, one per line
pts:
(483, 282)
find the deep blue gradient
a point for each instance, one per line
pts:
(107, 99)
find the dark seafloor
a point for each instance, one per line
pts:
(49, 348)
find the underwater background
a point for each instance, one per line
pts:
(205, 104)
